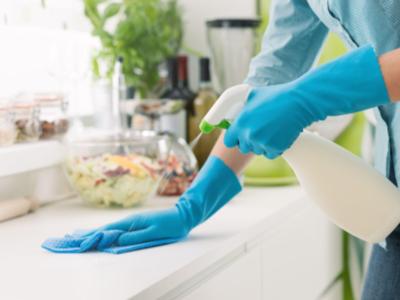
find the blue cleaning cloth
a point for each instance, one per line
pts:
(104, 241)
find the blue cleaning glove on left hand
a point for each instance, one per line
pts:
(274, 116)
(213, 187)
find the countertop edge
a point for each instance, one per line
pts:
(198, 270)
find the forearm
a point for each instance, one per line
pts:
(390, 66)
(231, 156)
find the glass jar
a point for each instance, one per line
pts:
(8, 132)
(26, 113)
(180, 170)
(53, 115)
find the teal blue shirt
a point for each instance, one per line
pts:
(294, 37)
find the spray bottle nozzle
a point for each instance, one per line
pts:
(206, 127)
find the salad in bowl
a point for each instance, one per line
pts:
(117, 169)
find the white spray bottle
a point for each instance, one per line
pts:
(350, 192)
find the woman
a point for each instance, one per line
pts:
(286, 99)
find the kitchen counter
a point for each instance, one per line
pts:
(27, 271)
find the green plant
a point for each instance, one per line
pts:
(144, 34)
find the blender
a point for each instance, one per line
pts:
(232, 43)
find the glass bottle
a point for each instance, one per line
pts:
(175, 123)
(183, 79)
(205, 99)
(183, 83)
(119, 96)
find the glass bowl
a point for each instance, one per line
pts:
(116, 169)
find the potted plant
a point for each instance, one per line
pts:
(143, 32)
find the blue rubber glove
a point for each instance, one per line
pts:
(274, 116)
(213, 187)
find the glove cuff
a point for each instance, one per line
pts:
(213, 187)
(351, 83)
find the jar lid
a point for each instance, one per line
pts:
(233, 23)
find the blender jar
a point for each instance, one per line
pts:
(233, 44)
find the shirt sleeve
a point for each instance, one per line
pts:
(290, 45)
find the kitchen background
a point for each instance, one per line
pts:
(47, 45)
(51, 41)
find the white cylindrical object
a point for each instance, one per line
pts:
(13, 208)
(174, 123)
(354, 195)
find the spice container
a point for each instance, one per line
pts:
(53, 118)
(7, 127)
(26, 113)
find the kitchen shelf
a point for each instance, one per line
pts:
(21, 158)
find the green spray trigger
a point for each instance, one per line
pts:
(206, 127)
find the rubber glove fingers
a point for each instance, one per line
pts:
(231, 138)
(244, 148)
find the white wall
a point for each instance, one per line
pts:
(47, 48)
(57, 14)
(198, 12)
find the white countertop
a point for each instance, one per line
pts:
(27, 271)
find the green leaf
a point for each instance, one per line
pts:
(111, 10)
(95, 67)
(146, 33)
(105, 37)
(92, 13)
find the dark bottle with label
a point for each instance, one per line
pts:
(183, 77)
(205, 99)
(177, 122)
